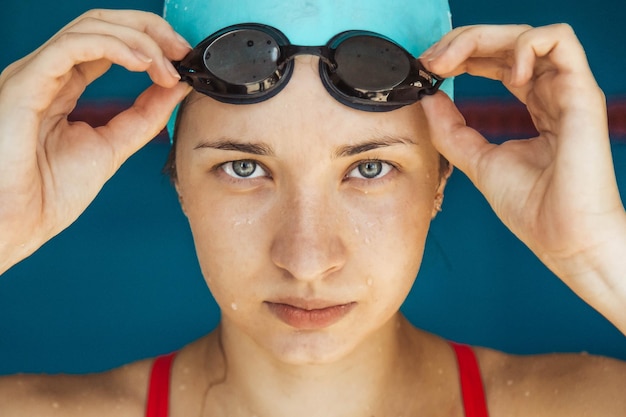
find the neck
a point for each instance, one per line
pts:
(255, 382)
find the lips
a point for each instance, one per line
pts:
(309, 315)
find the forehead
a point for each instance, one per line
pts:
(314, 122)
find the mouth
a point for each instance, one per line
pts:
(312, 315)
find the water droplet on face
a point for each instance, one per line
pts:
(370, 282)
(233, 306)
(55, 405)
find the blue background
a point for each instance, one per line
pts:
(122, 283)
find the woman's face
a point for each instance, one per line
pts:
(309, 218)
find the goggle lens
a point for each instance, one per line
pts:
(242, 56)
(250, 63)
(371, 64)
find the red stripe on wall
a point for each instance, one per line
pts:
(497, 119)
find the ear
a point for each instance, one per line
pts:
(180, 197)
(445, 173)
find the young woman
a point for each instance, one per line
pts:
(309, 218)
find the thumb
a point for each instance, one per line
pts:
(460, 144)
(133, 128)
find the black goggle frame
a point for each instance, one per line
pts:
(363, 70)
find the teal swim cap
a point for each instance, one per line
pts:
(414, 24)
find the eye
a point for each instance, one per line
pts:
(245, 168)
(370, 169)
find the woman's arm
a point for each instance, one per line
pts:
(50, 168)
(557, 192)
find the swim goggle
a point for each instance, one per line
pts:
(250, 63)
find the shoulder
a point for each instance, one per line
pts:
(553, 384)
(120, 392)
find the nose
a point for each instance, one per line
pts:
(308, 244)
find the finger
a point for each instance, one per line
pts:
(472, 42)
(38, 83)
(173, 45)
(161, 70)
(27, 94)
(133, 128)
(461, 145)
(494, 68)
(557, 42)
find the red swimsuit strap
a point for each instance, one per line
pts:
(159, 389)
(469, 374)
(471, 382)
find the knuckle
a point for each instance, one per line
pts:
(562, 31)
(94, 14)
(600, 96)
(564, 28)
(90, 20)
(61, 39)
(82, 24)
(152, 16)
(8, 72)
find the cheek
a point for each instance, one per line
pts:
(389, 237)
(388, 248)
(230, 241)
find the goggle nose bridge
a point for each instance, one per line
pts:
(323, 52)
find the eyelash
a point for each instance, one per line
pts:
(386, 168)
(227, 168)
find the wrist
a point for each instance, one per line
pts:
(597, 273)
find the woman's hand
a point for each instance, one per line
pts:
(557, 192)
(51, 169)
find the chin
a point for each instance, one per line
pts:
(310, 347)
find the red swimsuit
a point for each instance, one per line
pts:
(469, 374)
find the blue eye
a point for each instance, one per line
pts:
(370, 169)
(245, 168)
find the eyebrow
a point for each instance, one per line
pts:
(264, 149)
(351, 150)
(232, 145)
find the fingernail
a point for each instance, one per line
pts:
(183, 41)
(143, 57)
(171, 68)
(429, 50)
(437, 53)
